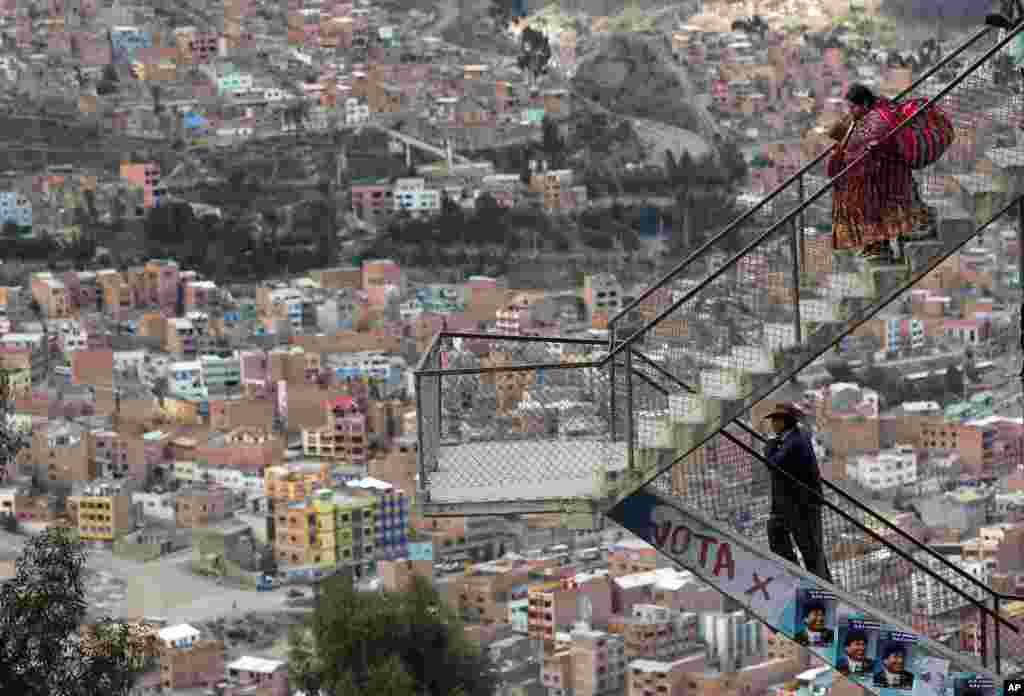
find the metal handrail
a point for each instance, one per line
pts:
(830, 486)
(434, 343)
(523, 339)
(981, 604)
(637, 301)
(689, 294)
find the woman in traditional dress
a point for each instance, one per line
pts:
(877, 201)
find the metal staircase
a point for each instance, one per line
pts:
(520, 425)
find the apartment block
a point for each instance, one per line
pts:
(666, 587)
(60, 453)
(51, 295)
(668, 677)
(397, 575)
(656, 633)
(201, 505)
(24, 357)
(188, 661)
(295, 481)
(102, 509)
(631, 556)
(558, 604)
(343, 436)
(248, 449)
(598, 663)
(326, 529)
(21, 502)
(482, 594)
(391, 526)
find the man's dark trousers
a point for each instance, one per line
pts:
(796, 502)
(784, 528)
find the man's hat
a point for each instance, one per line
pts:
(786, 410)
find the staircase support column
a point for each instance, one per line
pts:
(629, 406)
(998, 646)
(795, 253)
(1020, 283)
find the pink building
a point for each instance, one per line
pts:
(269, 677)
(186, 661)
(370, 201)
(554, 605)
(665, 587)
(382, 273)
(167, 286)
(255, 367)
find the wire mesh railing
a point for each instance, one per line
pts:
(869, 555)
(745, 328)
(790, 194)
(515, 418)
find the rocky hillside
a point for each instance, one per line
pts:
(626, 76)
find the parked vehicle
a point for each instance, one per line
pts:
(265, 584)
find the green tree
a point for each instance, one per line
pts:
(360, 639)
(535, 52)
(41, 611)
(390, 678)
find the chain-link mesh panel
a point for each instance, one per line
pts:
(723, 481)
(753, 321)
(509, 433)
(428, 412)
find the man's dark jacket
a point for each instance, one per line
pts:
(793, 453)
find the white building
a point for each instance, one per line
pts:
(937, 598)
(72, 336)
(247, 483)
(356, 111)
(178, 636)
(886, 469)
(185, 378)
(155, 505)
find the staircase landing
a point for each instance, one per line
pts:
(520, 476)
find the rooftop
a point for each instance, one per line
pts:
(255, 664)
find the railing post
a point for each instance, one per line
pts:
(629, 407)
(1020, 278)
(611, 379)
(795, 251)
(441, 348)
(998, 643)
(983, 631)
(421, 485)
(801, 220)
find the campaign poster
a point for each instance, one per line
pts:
(856, 648)
(815, 625)
(895, 675)
(968, 684)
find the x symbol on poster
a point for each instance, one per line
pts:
(760, 586)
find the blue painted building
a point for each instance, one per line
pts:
(125, 40)
(392, 525)
(15, 208)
